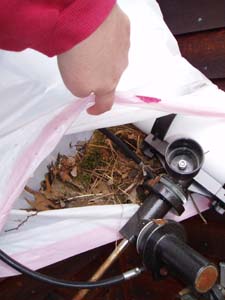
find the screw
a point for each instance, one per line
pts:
(182, 164)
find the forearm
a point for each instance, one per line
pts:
(97, 63)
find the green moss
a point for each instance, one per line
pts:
(92, 160)
(98, 138)
(84, 179)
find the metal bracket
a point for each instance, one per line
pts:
(205, 180)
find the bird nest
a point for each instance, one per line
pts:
(97, 174)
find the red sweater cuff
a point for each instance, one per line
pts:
(50, 27)
(77, 22)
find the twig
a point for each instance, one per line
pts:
(130, 187)
(82, 196)
(112, 171)
(30, 190)
(197, 209)
(131, 145)
(23, 222)
(94, 184)
(113, 151)
(138, 145)
(104, 267)
(98, 146)
(102, 196)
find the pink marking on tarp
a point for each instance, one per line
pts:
(204, 112)
(162, 105)
(149, 99)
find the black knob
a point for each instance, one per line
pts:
(184, 158)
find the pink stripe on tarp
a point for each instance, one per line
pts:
(204, 112)
(41, 257)
(45, 142)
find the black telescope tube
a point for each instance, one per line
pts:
(161, 200)
(187, 263)
(162, 244)
(153, 208)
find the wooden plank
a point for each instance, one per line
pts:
(206, 51)
(79, 267)
(191, 15)
(220, 83)
(207, 239)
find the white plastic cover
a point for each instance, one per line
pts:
(37, 111)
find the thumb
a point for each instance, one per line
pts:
(103, 103)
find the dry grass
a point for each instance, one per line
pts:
(98, 174)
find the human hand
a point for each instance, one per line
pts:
(96, 64)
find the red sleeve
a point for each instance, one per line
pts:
(49, 26)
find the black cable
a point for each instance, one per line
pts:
(125, 149)
(59, 282)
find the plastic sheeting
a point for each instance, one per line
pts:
(37, 111)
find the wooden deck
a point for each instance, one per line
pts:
(199, 27)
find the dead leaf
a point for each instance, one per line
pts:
(65, 177)
(40, 202)
(98, 168)
(153, 181)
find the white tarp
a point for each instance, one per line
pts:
(37, 111)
